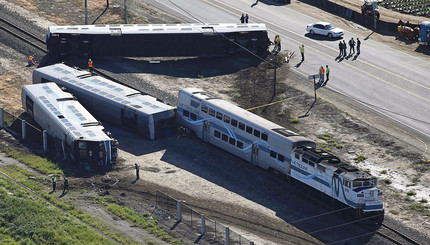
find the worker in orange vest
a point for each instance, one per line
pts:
(90, 65)
(321, 74)
(31, 60)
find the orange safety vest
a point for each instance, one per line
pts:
(30, 59)
(321, 70)
(90, 64)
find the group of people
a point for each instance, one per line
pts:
(244, 18)
(323, 71)
(65, 185)
(352, 43)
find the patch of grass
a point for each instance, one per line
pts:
(236, 95)
(395, 212)
(294, 120)
(387, 181)
(383, 172)
(420, 208)
(200, 76)
(360, 158)
(411, 193)
(233, 90)
(338, 146)
(423, 200)
(408, 199)
(28, 219)
(282, 113)
(327, 149)
(143, 221)
(366, 171)
(330, 142)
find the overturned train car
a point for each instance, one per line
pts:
(113, 102)
(157, 40)
(82, 138)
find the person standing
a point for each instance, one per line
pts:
(340, 48)
(344, 48)
(358, 46)
(327, 73)
(277, 42)
(246, 18)
(90, 65)
(302, 51)
(66, 185)
(242, 19)
(54, 183)
(351, 46)
(321, 75)
(31, 60)
(137, 171)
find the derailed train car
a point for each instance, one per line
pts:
(111, 101)
(157, 40)
(281, 151)
(82, 138)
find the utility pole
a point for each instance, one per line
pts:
(125, 11)
(374, 15)
(86, 13)
(315, 84)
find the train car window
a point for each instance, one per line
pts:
(311, 163)
(273, 154)
(241, 126)
(226, 119)
(249, 129)
(204, 109)
(297, 156)
(347, 183)
(194, 104)
(217, 134)
(44, 80)
(281, 158)
(233, 122)
(305, 160)
(366, 183)
(321, 168)
(264, 137)
(239, 144)
(219, 115)
(232, 141)
(82, 145)
(224, 137)
(313, 159)
(356, 184)
(186, 113)
(211, 112)
(193, 116)
(256, 133)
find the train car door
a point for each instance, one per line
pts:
(254, 154)
(206, 131)
(129, 117)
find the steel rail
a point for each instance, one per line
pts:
(43, 49)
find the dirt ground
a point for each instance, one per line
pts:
(164, 168)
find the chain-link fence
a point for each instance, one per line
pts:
(208, 230)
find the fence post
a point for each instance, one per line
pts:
(1, 118)
(203, 225)
(23, 129)
(45, 141)
(179, 210)
(227, 236)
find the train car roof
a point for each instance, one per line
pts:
(245, 115)
(67, 111)
(117, 29)
(106, 88)
(331, 161)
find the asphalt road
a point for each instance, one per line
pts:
(395, 84)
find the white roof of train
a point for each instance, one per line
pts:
(156, 28)
(69, 113)
(245, 115)
(106, 88)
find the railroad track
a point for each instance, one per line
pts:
(23, 35)
(395, 236)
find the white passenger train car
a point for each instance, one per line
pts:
(66, 120)
(111, 101)
(326, 173)
(272, 147)
(242, 133)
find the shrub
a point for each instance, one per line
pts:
(395, 212)
(423, 200)
(294, 120)
(387, 181)
(383, 171)
(360, 158)
(411, 193)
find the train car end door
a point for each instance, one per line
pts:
(206, 131)
(254, 154)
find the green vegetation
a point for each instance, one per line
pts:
(331, 142)
(233, 90)
(383, 171)
(360, 158)
(423, 200)
(27, 219)
(408, 199)
(415, 7)
(420, 208)
(387, 181)
(143, 221)
(366, 171)
(395, 212)
(200, 76)
(294, 120)
(411, 193)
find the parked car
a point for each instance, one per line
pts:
(325, 29)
